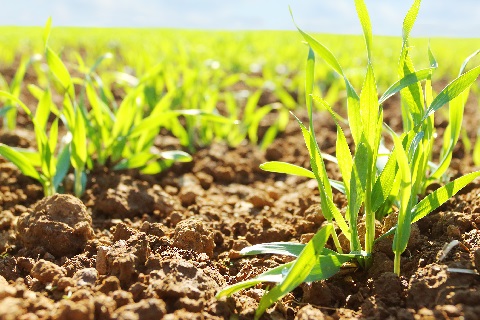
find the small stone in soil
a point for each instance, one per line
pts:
(86, 276)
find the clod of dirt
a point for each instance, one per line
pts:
(131, 199)
(46, 271)
(189, 194)
(125, 257)
(5, 289)
(150, 309)
(125, 202)
(7, 236)
(183, 284)
(12, 308)
(309, 312)
(191, 234)
(389, 289)
(260, 199)
(60, 224)
(74, 310)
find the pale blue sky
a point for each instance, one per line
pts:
(460, 18)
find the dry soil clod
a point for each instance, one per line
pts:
(60, 224)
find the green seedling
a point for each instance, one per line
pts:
(71, 114)
(372, 175)
(249, 119)
(9, 110)
(50, 163)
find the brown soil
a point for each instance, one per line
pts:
(161, 247)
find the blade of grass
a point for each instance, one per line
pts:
(453, 90)
(299, 271)
(402, 234)
(441, 195)
(353, 101)
(20, 161)
(288, 168)
(406, 81)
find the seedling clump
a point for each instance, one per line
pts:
(375, 178)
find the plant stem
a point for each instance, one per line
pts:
(48, 188)
(369, 219)
(337, 242)
(77, 188)
(396, 265)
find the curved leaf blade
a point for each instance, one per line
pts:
(441, 195)
(19, 160)
(299, 271)
(453, 90)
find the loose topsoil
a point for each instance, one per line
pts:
(161, 247)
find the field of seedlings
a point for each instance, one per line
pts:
(175, 174)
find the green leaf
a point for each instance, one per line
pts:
(412, 101)
(283, 248)
(154, 121)
(4, 110)
(176, 155)
(406, 81)
(288, 168)
(43, 109)
(452, 132)
(309, 79)
(53, 135)
(251, 106)
(369, 108)
(410, 18)
(320, 49)
(343, 155)
(255, 122)
(316, 160)
(402, 234)
(63, 165)
(79, 142)
(453, 90)
(358, 178)
(329, 210)
(352, 97)
(20, 161)
(16, 84)
(384, 183)
(60, 71)
(272, 275)
(95, 103)
(441, 195)
(8, 95)
(99, 60)
(327, 265)
(46, 31)
(466, 61)
(68, 113)
(299, 271)
(157, 166)
(362, 13)
(136, 161)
